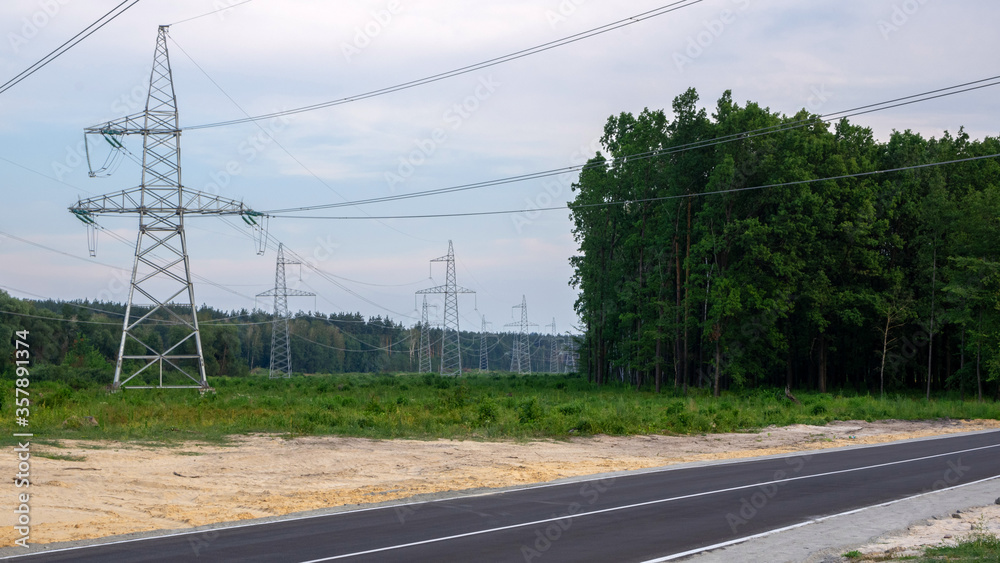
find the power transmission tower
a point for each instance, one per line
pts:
(281, 347)
(554, 348)
(571, 354)
(160, 331)
(484, 352)
(520, 358)
(425, 338)
(451, 346)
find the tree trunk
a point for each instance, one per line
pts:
(885, 350)
(979, 344)
(822, 363)
(930, 341)
(678, 379)
(687, 291)
(659, 371)
(718, 364)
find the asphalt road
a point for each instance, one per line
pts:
(634, 517)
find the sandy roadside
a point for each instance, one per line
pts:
(936, 532)
(110, 488)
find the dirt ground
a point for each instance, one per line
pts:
(100, 489)
(941, 532)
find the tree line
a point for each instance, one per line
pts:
(79, 340)
(710, 255)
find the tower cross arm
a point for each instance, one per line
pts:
(287, 293)
(444, 289)
(171, 200)
(160, 122)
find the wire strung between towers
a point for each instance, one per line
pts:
(680, 4)
(644, 200)
(66, 46)
(705, 143)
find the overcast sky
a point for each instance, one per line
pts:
(536, 113)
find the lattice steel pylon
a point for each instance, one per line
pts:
(451, 346)
(425, 338)
(569, 345)
(281, 350)
(554, 348)
(484, 351)
(160, 329)
(520, 358)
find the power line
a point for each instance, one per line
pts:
(644, 200)
(467, 69)
(58, 319)
(55, 53)
(273, 138)
(797, 124)
(213, 12)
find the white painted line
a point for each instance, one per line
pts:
(647, 503)
(813, 521)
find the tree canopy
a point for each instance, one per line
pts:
(742, 249)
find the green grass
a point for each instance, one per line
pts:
(979, 546)
(479, 406)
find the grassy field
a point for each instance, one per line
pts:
(481, 406)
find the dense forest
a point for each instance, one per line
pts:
(79, 340)
(709, 256)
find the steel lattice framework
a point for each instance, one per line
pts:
(451, 348)
(554, 348)
(425, 339)
(160, 331)
(484, 351)
(281, 350)
(520, 357)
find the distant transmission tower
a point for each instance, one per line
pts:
(160, 331)
(571, 354)
(554, 348)
(425, 338)
(451, 346)
(520, 358)
(281, 348)
(484, 352)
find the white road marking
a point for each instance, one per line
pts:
(799, 525)
(649, 503)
